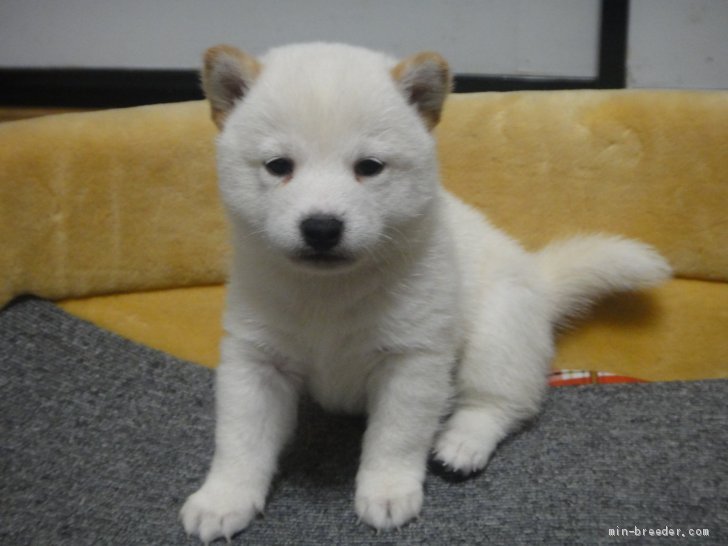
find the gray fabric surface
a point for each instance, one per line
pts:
(102, 440)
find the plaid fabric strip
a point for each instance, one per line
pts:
(566, 378)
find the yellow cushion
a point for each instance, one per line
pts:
(677, 331)
(646, 164)
(184, 322)
(125, 202)
(109, 201)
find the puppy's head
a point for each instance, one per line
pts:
(325, 153)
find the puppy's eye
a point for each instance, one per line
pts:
(369, 166)
(279, 166)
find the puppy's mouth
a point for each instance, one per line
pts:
(323, 260)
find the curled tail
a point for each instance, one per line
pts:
(583, 269)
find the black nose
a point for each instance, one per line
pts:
(322, 232)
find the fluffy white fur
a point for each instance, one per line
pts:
(427, 308)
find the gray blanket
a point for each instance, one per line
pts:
(102, 439)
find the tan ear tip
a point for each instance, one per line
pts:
(434, 56)
(442, 64)
(431, 57)
(214, 52)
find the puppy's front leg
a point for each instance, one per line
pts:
(407, 396)
(256, 412)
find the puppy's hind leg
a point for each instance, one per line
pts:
(502, 375)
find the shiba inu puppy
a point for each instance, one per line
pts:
(357, 278)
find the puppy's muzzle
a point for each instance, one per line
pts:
(321, 233)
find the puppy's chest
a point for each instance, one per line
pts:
(334, 360)
(335, 341)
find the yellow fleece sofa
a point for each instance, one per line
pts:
(115, 214)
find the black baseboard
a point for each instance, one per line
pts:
(96, 88)
(108, 88)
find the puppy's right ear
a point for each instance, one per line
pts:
(227, 75)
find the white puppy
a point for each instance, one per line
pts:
(357, 278)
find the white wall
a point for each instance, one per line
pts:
(528, 37)
(678, 43)
(672, 43)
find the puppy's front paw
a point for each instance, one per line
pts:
(384, 501)
(468, 441)
(219, 510)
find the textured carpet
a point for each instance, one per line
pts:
(102, 440)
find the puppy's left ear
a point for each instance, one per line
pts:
(227, 75)
(425, 81)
